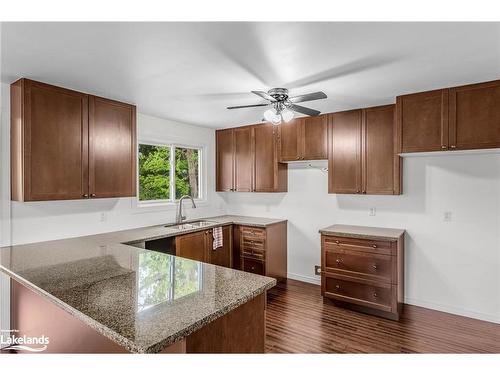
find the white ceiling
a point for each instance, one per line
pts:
(190, 72)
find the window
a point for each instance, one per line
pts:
(167, 172)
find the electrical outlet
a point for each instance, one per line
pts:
(373, 211)
(317, 270)
(104, 217)
(447, 216)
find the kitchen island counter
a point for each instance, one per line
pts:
(142, 300)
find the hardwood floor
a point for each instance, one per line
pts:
(299, 322)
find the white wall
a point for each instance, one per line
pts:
(40, 221)
(450, 266)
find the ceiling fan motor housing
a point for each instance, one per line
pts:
(279, 94)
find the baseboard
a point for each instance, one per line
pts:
(453, 310)
(306, 279)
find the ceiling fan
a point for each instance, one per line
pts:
(283, 106)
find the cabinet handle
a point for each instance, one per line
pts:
(358, 191)
(92, 195)
(375, 266)
(338, 261)
(444, 147)
(453, 146)
(374, 246)
(337, 242)
(337, 286)
(375, 294)
(85, 195)
(364, 191)
(298, 158)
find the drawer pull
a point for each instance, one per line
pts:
(375, 267)
(374, 246)
(337, 286)
(375, 294)
(338, 261)
(337, 242)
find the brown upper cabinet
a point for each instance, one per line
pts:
(423, 121)
(304, 139)
(458, 118)
(475, 116)
(362, 158)
(247, 160)
(69, 145)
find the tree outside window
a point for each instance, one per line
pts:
(156, 179)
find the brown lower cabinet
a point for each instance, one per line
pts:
(252, 249)
(362, 152)
(364, 274)
(264, 250)
(198, 246)
(70, 145)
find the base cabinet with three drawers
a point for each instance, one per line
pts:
(363, 268)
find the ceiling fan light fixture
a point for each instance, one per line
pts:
(287, 115)
(271, 116)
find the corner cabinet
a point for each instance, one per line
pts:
(304, 139)
(69, 145)
(247, 160)
(362, 153)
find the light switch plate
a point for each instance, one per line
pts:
(373, 211)
(447, 216)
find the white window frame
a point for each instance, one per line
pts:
(202, 173)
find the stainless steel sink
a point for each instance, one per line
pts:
(191, 225)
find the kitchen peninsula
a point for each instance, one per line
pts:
(100, 294)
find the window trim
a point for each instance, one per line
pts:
(202, 173)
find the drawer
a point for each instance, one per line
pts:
(253, 266)
(252, 243)
(359, 244)
(359, 264)
(375, 295)
(252, 232)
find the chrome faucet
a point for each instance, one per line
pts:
(180, 217)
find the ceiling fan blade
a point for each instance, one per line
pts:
(308, 97)
(264, 95)
(304, 110)
(248, 106)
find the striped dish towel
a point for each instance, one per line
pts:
(217, 234)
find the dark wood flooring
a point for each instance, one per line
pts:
(298, 321)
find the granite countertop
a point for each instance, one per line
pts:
(141, 299)
(389, 234)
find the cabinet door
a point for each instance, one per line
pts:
(265, 158)
(423, 121)
(289, 136)
(314, 138)
(55, 141)
(225, 159)
(192, 246)
(344, 157)
(475, 116)
(112, 148)
(243, 158)
(379, 166)
(221, 256)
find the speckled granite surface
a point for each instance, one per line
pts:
(141, 299)
(389, 234)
